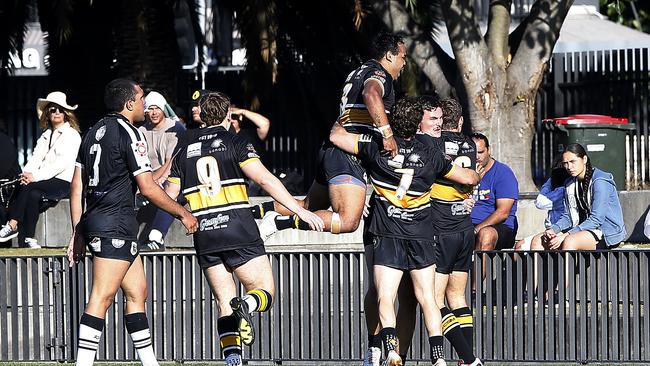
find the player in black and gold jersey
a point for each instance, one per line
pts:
(454, 232)
(366, 99)
(210, 172)
(112, 165)
(401, 218)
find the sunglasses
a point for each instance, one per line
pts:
(54, 110)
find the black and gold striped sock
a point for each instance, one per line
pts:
(464, 318)
(261, 209)
(258, 300)
(229, 335)
(451, 331)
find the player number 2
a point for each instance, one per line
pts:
(93, 180)
(207, 171)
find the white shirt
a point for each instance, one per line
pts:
(55, 159)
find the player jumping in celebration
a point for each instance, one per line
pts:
(111, 165)
(401, 219)
(210, 172)
(368, 94)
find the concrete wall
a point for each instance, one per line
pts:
(53, 228)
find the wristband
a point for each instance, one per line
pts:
(384, 127)
(388, 136)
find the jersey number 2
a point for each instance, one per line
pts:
(207, 171)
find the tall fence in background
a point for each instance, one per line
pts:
(573, 307)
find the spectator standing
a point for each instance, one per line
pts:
(9, 170)
(49, 171)
(250, 125)
(161, 133)
(593, 218)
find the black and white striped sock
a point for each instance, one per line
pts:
(138, 327)
(90, 332)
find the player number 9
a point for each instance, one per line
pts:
(207, 171)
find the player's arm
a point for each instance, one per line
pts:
(76, 245)
(262, 124)
(155, 194)
(257, 172)
(373, 92)
(500, 214)
(463, 176)
(343, 139)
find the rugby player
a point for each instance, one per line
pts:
(111, 165)
(454, 232)
(401, 219)
(368, 94)
(210, 171)
(431, 124)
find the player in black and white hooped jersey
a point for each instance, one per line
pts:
(112, 165)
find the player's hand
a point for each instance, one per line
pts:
(366, 209)
(480, 170)
(315, 222)
(76, 248)
(469, 203)
(390, 146)
(190, 223)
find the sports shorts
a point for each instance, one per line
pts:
(126, 250)
(334, 162)
(403, 254)
(454, 251)
(231, 259)
(506, 238)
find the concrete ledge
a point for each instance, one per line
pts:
(53, 229)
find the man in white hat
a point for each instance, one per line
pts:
(161, 133)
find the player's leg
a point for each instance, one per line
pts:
(406, 315)
(387, 282)
(423, 286)
(134, 286)
(373, 352)
(224, 289)
(253, 269)
(107, 277)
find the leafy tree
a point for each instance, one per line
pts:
(632, 13)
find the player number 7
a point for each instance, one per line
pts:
(404, 182)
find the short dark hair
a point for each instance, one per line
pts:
(429, 102)
(451, 113)
(118, 92)
(385, 42)
(480, 136)
(214, 108)
(406, 117)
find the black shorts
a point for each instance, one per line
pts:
(454, 251)
(333, 162)
(404, 254)
(506, 238)
(231, 258)
(126, 250)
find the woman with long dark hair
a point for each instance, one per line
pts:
(593, 218)
(49, 171)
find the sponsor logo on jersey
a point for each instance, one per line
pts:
(214, 222)
(451, 148)
(398, 213)
(458, 209)
(96, 244)
(193, 150)
(365, 138)
(134, 248)
(217, 145)
(100, 133)
(117, 243)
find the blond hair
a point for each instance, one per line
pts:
(68, 116)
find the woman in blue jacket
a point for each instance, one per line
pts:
(593, 218)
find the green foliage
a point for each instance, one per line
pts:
(632, 13)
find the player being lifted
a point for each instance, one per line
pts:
(401, 219)
(454, 232)
(111, 165)
(210, 172)
(368, 94)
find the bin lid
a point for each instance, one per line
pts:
(587, 119)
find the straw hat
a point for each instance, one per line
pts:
(58, 98)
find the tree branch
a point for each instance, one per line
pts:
(536, 46)
(439, 67)
(498, 29)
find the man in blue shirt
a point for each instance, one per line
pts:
(493, 215)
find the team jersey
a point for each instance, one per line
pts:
(208, 169)
(354, 115)
(402, 187)
(113, 152)
(447, 197)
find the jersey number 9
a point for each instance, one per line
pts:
(207, 172)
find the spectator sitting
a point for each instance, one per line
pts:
(49, 171)
(161, 133)
(493, 215)
(551, 198)
(593, 218)
(9, 170)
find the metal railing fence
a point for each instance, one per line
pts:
(574, 307)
